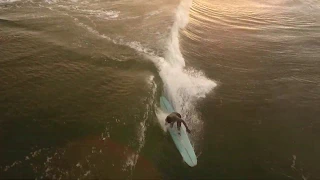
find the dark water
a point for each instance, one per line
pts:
(80, 82)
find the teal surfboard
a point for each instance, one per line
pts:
(181, 140)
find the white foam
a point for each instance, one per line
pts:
(294, 158)
(51, 1)
(49, 159)
(173, 53)
(35, 153)
(8, 1)
(130, 162)
(152, 13)
(12, 165)
(132, 159)
(87, 173)
(78, 165)
(183, 86)
(104, 14)
(161, 115)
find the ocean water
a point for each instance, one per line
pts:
(80, 82)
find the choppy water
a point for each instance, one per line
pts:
(80, 82)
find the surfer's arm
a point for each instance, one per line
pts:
(185, 124)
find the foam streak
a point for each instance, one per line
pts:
(182, 86)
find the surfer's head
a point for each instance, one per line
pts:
(169, 120)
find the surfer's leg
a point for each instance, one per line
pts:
(179, 127)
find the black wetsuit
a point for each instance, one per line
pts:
(176, 117)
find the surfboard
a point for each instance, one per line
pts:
(181, 140)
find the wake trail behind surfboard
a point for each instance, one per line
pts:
(182, 86)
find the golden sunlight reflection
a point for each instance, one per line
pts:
(241, 15)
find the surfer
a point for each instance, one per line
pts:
(176, 117)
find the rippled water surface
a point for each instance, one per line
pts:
(80, 82)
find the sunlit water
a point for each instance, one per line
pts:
(80, 82)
